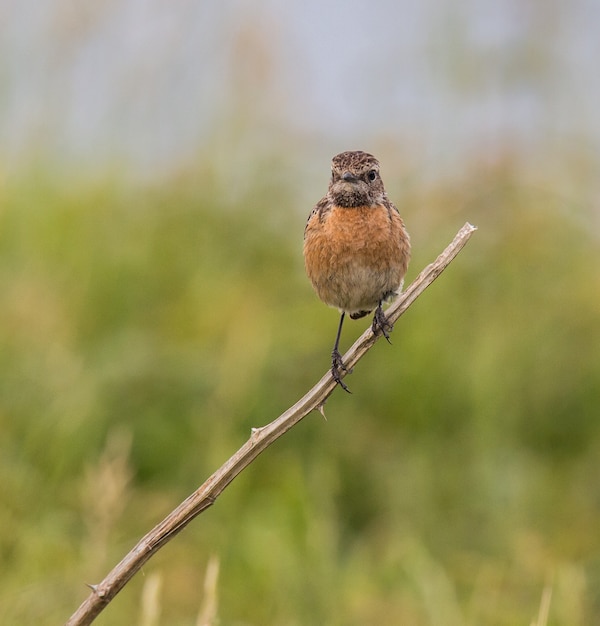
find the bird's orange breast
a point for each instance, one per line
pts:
(354, 256)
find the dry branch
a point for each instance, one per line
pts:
(260, 439)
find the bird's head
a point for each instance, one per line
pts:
(355, 180)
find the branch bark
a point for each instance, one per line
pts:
(260, 440)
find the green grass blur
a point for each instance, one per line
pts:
(145, 330)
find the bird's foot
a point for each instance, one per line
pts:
(337, 367)
(381, 324)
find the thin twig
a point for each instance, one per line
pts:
(260, 439)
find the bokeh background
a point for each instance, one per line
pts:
(157, 163)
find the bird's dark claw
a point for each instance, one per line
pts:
(337, 366)
(381, 324)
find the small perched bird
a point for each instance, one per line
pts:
(356, 248)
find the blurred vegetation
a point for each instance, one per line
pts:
(145, 329)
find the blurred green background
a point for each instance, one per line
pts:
(154, 308)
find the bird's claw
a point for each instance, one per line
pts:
(381, 324)
(337, 366)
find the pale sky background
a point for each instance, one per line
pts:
(149, 84)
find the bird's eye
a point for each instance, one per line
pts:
(372, 175)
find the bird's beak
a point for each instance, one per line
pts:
(347, 176)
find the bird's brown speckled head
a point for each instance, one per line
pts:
(355, 180)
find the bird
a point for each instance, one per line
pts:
(356, 247)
